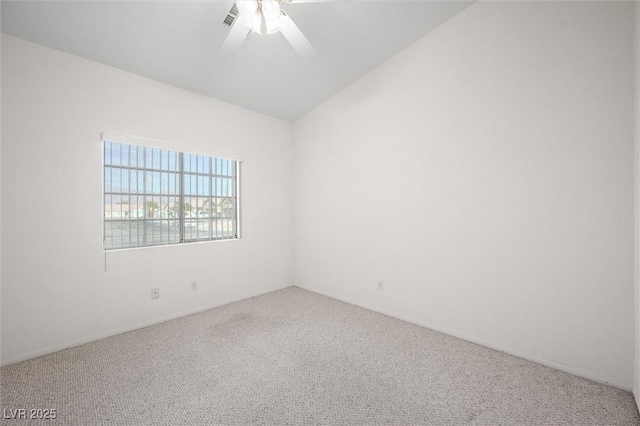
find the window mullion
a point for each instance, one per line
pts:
(144, 197)
(235, 199)
(129, 195)
(111, 197)
(181, 192)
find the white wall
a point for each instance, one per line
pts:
(636, 359)
(486, 175)
(55, 289)
(1, 243)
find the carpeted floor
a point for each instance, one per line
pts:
(293, 357)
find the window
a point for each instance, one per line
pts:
(155, 196)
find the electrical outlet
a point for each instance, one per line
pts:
(155, 293)
(380, 285)
(194, 286)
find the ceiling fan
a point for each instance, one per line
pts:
(263, 17)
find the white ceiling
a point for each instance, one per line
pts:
(178, 43)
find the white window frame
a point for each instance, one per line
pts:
(181, 149)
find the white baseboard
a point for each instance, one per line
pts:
(547, 362)
(491, 345)
(92, 338)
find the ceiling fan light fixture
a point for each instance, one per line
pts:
(261, 16)
(271, 16)
(254, 22)
(249, 6)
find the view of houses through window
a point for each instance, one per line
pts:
(156, 197)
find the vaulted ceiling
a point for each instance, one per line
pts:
(178, 43)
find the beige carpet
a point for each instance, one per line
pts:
(293, 357)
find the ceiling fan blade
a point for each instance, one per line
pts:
(236, 37)
(294, 36)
